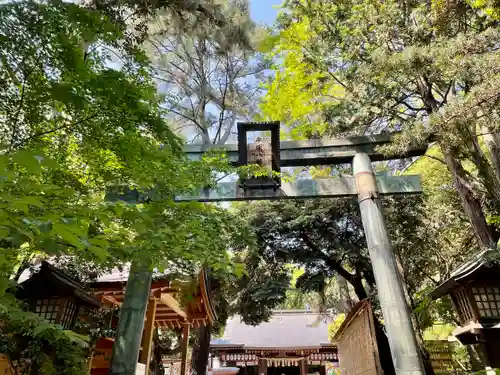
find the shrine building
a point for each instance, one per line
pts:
(291, 343)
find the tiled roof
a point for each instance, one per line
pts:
(115, 275)
(475, 263)
(286, 329)
(120, 274)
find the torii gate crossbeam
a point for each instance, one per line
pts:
(315, 151)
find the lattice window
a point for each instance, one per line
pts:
(69, 314)
(463, 306)
(47, 308)
(488, 301)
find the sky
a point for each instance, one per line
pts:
(262, 11)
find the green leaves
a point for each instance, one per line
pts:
(88, 125)
(80, 114)
(68, 234)
(26, 336)
(28, 160)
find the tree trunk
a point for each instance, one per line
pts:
(384, 350)
(475, 359)
(201, 349)
(346, 302)
(470, 203)
(486, 173)
(359, 289)
(156, 364)
(131, 322)
(492, 141)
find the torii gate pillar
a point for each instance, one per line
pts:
(402, 340)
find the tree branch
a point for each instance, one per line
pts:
(328, 260)
(192, 119)
(21, 101)
(435, 158)
(223, 106)
(65, 126)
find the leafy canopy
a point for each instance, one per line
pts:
(79, 115)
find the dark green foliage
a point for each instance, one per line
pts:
(262, 290)
(425, 68)
(37, 347)
(80, 113)
(134, 18)
(323, 236)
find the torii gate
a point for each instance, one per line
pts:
(361, 151)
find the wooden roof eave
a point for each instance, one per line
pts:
(227, 346)
(169, 313)
(207, 301)
(350, 316)
(169, 301)
(48, 270)
(91, 300)
(460, 273)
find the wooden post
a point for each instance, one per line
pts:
(303, 367)
(147, 336)
(90, 360)
(184, 347)
(262, 366)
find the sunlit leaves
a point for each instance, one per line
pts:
(491, 8)
(78, 122)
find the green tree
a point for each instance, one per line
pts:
(426, 69)
(209, 77)
(210, 80)
(135, 18)
(80, 114)
(72, 127)
(325, 237)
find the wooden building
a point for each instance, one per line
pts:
(165, 310)
(53, 295)
(474, 288)
(291, 343)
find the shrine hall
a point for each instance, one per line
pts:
(291, 343)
